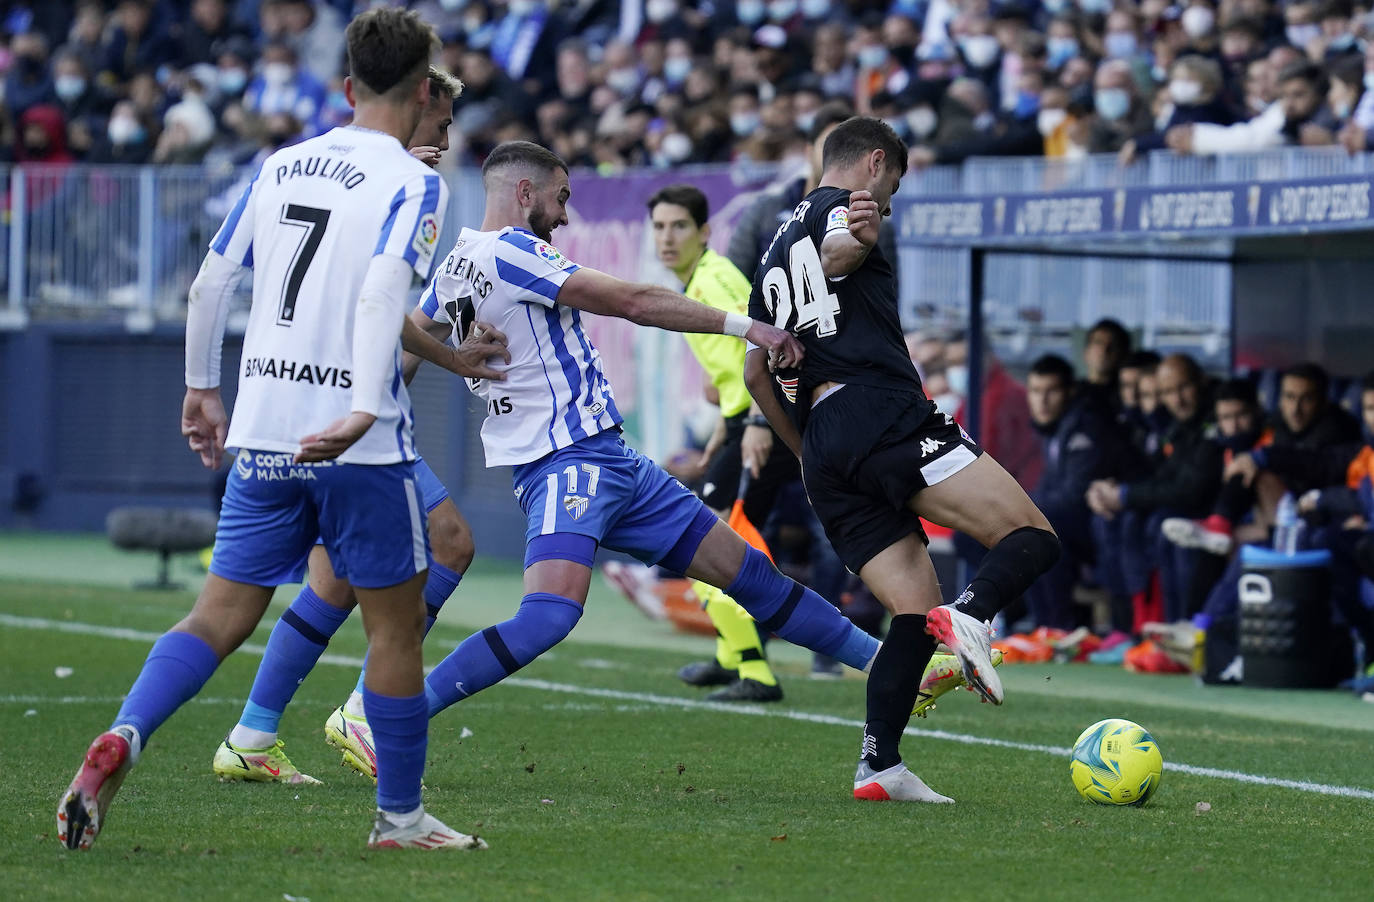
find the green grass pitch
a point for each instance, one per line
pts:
(596, 775)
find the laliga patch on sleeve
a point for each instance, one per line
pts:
(837, 220)
(551, 255)
(426, 236)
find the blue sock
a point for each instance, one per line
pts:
(797, 614)
(296, 643)
(490, 656)
(177, 667)
(400, 734)
(441, 583)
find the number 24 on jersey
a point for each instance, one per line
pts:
(806, 293)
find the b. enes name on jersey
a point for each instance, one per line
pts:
(555, 392)
(849, 327)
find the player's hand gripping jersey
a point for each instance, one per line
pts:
(555, 392)
(849, 326)
(309, 225)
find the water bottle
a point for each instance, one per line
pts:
(1287, 525)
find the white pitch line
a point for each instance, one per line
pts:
(668, 701)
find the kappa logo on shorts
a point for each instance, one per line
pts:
(575, 505)
(929, 446)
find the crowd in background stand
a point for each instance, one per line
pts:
(666, 82)
(1154, 475)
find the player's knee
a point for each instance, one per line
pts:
(451, 541)
(1041, 547)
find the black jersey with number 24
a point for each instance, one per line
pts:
(849, 327)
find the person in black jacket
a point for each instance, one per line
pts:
(1313, 440)
(1185, 482)
(1078, 447)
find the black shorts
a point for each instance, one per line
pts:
(720, 485)
(866, 451)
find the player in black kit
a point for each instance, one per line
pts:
(877, 454)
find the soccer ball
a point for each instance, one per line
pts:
(1116, 762)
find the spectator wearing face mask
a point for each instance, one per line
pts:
(1194, 95)
(126, 138)
(1299, 116)
(84, 103)
(1337, 23)
(1118, 112)
(282, 86)
(1347, 88)
(968, 127)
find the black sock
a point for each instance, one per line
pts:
(1007, 570)
(892, 686)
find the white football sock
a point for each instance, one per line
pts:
(354, 706)
(242, 737)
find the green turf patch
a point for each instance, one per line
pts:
(597, 787)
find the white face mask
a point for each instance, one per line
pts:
(676, 147)
(125, 130)
(922, 121)
(676, 68)
(872, 56)
(804, 121)
(277, 74)
(1302, 35)
(815, 9)
(521, 8)
(69, 87)
(622, 81)
(450, 5)
(1047, 120)
(1185, 91)
(660, 11)
(743, 124)
(1198, 21)
(980, 50)
(231, 81)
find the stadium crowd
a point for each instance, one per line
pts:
(1154, 475)
(667, 82)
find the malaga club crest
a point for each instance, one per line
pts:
(575, 505)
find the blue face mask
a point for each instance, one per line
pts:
(675, 69)
(1120, 44)
(1111, 103)
(1369, 81)
(1061, 50)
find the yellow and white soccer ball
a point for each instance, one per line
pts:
(1116, 762)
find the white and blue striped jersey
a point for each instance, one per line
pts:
(555, 392)
(309, 225)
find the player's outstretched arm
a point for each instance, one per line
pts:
(421, 339)
(760, 386)
(651, 305)
(203, 420)
(844, 250)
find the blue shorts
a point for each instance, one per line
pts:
(432, 491)
(369, 519)
(604, 489)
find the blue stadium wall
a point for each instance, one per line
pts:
(90, 421)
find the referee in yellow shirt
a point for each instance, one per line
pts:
(677, 216)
